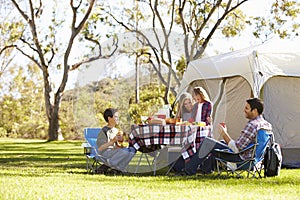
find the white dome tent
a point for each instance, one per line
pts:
(270, 71)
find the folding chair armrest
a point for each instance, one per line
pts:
(97, 154)
(86, 148)
(229, 151)
(225, 151)
(249, 147)
(86, 145)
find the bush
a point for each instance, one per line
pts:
(3, 132)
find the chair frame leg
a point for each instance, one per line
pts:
(139, 162)
(252, 169)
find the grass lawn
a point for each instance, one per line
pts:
(36, 169)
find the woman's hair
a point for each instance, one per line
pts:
(109, 112)
(202, 92)
(181, 108)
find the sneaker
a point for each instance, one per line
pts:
(114, 172)
(103, 169)
(183, 173)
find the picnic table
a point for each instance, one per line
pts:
(189, 137)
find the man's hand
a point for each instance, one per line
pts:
(223, 133)
(222, 129)
(114, 140)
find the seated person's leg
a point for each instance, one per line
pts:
(179, 164)
(129, 149)
(192, 165)
(121, 159)
(208, 145)
(206, 148)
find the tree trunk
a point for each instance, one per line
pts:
(168, 86)
(137, 79)
(52, 104)
(53, 127)
(54, 118)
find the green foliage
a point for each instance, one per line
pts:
(23, 112)
(84, 107)
(181, 66)
(3, 132)
(235, 24)
(11, 31)
(284, 21)
(67, 121)
(151, 99)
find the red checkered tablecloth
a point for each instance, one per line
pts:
(189, 137)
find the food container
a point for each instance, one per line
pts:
(171, 120)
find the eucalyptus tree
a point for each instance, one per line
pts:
(50, 38)
(195, 22)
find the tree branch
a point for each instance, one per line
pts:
(21, 11)
(96, 42)
(30, 57)
(6, 47)
(227, 11)
(29, 45)
(77, 65)
(74, 33)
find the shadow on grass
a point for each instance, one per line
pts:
(41, 154)
(30, 158)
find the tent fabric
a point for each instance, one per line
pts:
(270, 71)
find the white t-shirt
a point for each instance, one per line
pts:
(112, 133)
(199, 112)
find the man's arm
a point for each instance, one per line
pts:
(224, 134)
(107, 144)
(230, 142)
(102, 142)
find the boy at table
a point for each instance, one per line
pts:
(253, 111)
(117, 158)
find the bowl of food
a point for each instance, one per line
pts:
(171, 120)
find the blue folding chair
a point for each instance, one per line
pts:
(252, 165)
(93, 159)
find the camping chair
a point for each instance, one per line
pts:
(251, 165)
(149, 150)
(93, 159)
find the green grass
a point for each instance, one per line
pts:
(36, 169)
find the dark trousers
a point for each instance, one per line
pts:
(206, 151)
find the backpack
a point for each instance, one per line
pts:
(272, 160)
